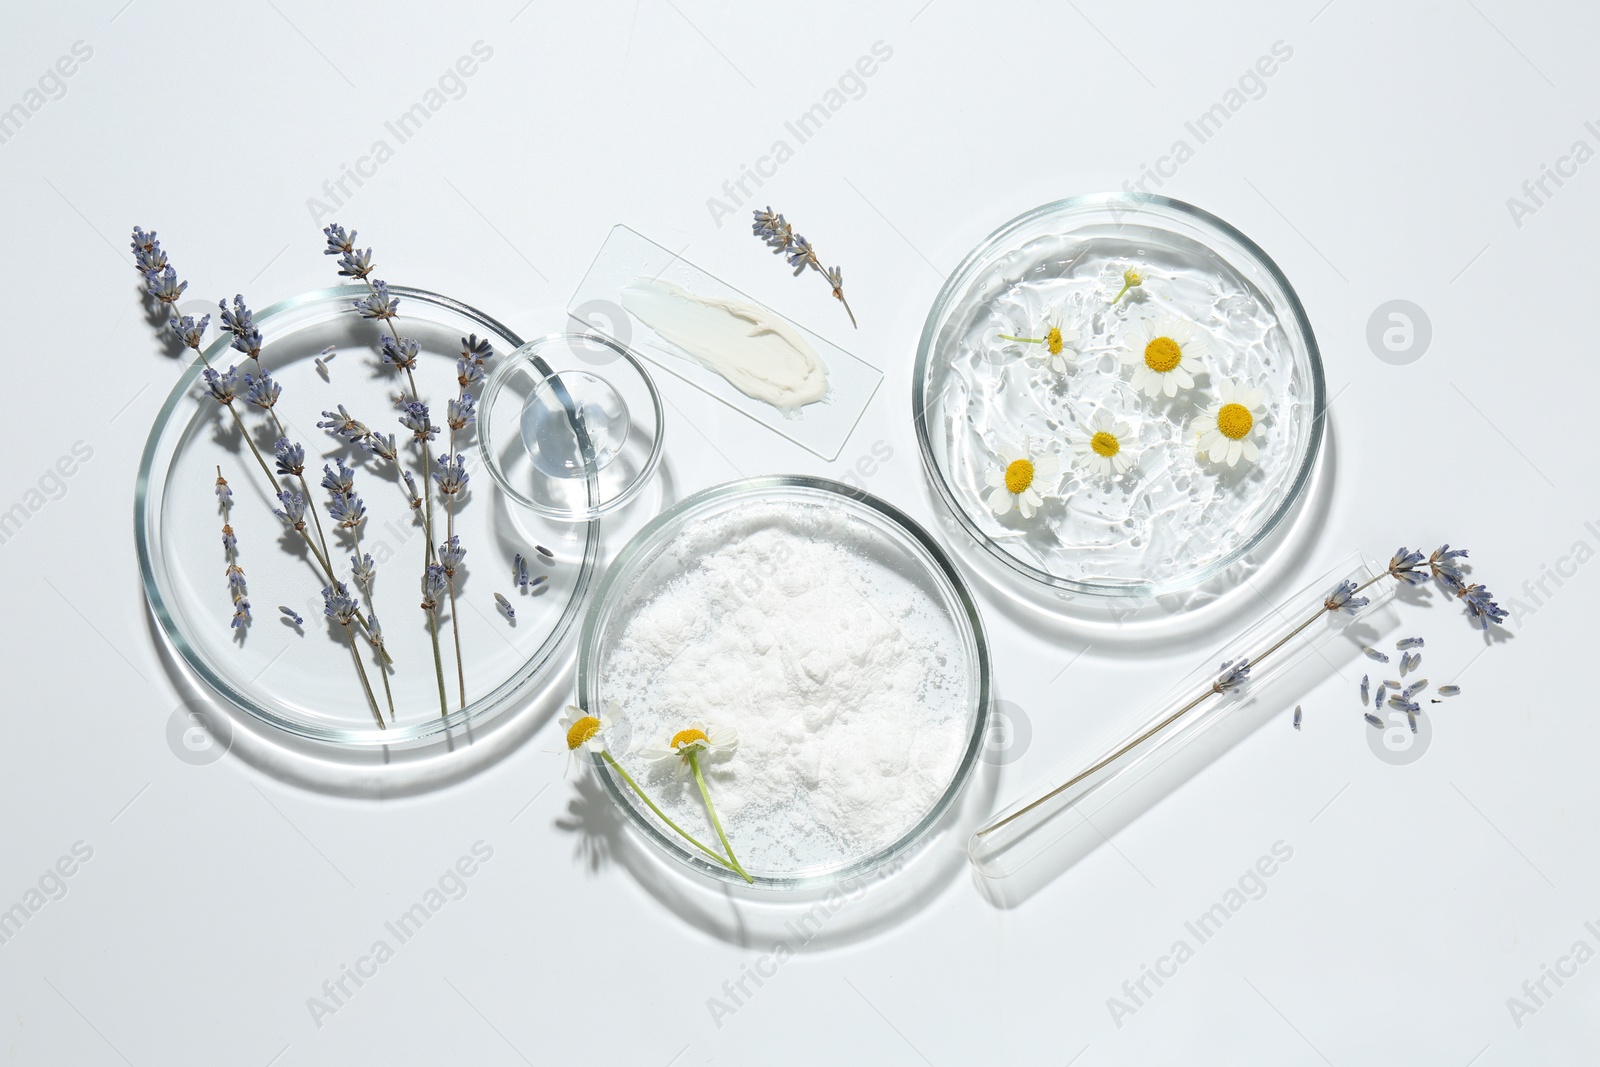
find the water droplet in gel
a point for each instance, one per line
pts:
(549, 433)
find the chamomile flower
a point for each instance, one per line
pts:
(584, 732)
(700, 738)
(1164, 353)
(1022, 480)
(1058, 346)
(1225, 429)
(1104, 451)
(1132, 278)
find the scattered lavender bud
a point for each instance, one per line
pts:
(329, 352)
(519, 571)
(1297, 716)
(1415, 687)
(292, 615)
(1373, 721)
(505, 606)
(1377, 701)
(1373, 654)
(1392, 684)
(1411, 717)
(545, 552)
(537, 582)
(1408, 642)
(1366, 693)
(1449, 690)
(1410, 662)
(1399, 703)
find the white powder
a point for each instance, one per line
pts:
(820, 642)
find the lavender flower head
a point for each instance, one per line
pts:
(414, 417)
(1405, 566)
(377, 444)
(1343, 598)
(189, 330)
(411, 487)
(356, 262)
(399, 352)
(363, 570)
(1233, 675)
(224, 492)
(460, 414)
(163, 285)
(452, 473)
(240, 322)
(235, 575)
(468, 372)
(341, 424)
(230, 543)
(293, 512)
(434, 582)
(241, 613)
(339, 241)
(347, 510)
(223, 386)
(291, 457)
(475, 351)
(342, 480)
(1481, 607)
(338, 604)
(379, 305)
(451, 554)
(263, 392)
(147, 254)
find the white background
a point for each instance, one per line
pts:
(1376, 165)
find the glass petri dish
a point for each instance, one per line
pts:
(711, 613)
(1175, 518)
(300, 679)
(572, 426)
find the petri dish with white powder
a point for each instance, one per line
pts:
(832, 634)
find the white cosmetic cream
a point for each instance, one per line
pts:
(758, 353)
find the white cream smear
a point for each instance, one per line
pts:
(759, 354)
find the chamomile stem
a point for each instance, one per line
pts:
(1023, 340)
(1125, 287)
(705, 794)
(681, 832)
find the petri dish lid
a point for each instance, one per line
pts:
(571, 426)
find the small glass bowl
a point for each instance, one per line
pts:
(872, 530)
(572, 426)
(299, 678)
(1175, 520)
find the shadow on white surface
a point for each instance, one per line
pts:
(804, 921)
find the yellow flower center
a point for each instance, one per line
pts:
(1052, 340)
(684, 737)
(582, 730)
(1234, 420)
(1019, 475)
(1105, 444)
(1162, 354)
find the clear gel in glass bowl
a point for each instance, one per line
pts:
(1176, 519)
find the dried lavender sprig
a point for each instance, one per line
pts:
(1400, 568)
(779, 236)
(342, 608)
(401, 352)
(234, 573)
(163, 287)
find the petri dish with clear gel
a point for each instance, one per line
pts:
(571, 426)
